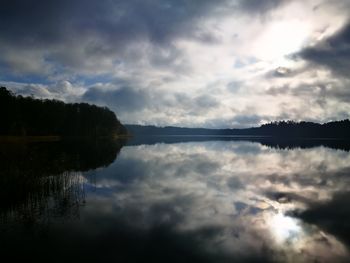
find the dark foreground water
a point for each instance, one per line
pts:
(176, 200)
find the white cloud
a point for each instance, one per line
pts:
(196, 69)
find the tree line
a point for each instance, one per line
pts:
(278, 129)
(27, 116)
(334, 129)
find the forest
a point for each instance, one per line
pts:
(27, 116)
(334, 129)
(278, 129)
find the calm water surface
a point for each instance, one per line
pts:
(204, 200)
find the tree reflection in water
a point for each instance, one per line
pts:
(164, 200)
(42, 181)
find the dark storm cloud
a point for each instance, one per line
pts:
(33, 22)
(315, 91)
(149, 44)
(332, 52)
(260, 6)
(69, 33)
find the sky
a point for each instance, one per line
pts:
(190, 63)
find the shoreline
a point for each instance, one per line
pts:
(14, 139)
(53, 138)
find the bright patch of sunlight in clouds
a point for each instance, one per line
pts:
(224, 63)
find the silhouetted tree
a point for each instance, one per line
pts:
(29, 116)
(336, 129)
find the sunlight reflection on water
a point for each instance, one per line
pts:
(222, 201)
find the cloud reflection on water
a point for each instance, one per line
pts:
(237, 199)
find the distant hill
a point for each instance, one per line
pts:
(26, 116)
(170, 130)
(269, 141)
(336, 129)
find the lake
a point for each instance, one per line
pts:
(176, 199)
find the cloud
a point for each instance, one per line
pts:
(128, 102)
(260, 6)
(180, 188)
(85, 34)
(320, 90)
(123, 99)
(187, 63)
(94, 36)
(206, 101)
(283, 72)
(61, 90)
(332, 216)
(332, 52)
(235, 184)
